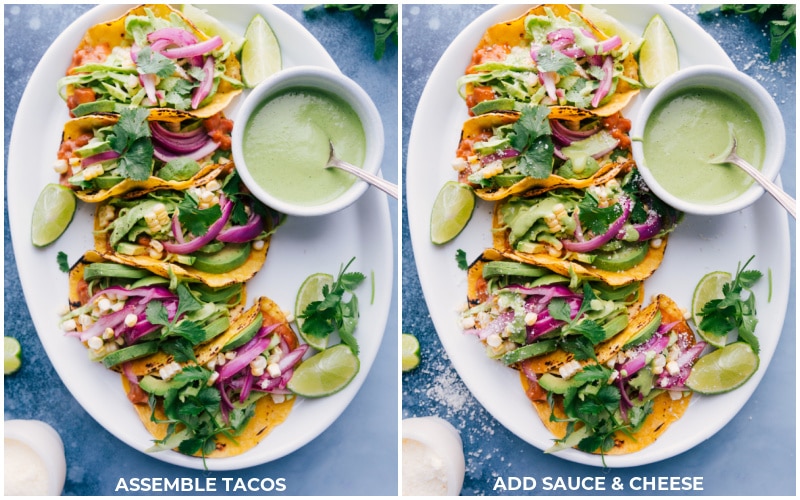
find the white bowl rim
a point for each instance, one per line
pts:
(754, 94)
(333, 82)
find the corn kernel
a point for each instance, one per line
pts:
(258, 245)
(274, 370)
(93, 171)
(278, 398)
(131, 320)
(95, 343)
(61, 166)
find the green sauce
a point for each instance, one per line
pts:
(693, 126)
(285, 145)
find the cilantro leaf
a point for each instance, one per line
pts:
(63, 262)
(461, 259)
(530, 135)
(197, 220)
(550, 60)
(732, 311)
(130, 137)
(334, 313)
(595, 218)
(153, 63)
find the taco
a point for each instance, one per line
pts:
(550, 55)
(237, 384)
(627, 397)
(138, 151)
(541, 148)
(216, 233)
(136, 322)
(150, 57)
(616, 232)
(525, 313)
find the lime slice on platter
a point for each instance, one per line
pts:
(709, 288)
(261, 53)
(723, 370)
(611, 26)
(311, 291)
(325, 373)
(410, 350)
(451, 211)
(658, 55)
(212, 26)
(52, 214)
(12, 355)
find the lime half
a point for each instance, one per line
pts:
(410, 349)
(325, 373)
(212, 26)
(709, 288)
(658, 55)
(52, 214)
(261, 53)
(451, 211)
(611, 26)
(724, 369)
(12, 355)
(311, 291)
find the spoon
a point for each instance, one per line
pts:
(382, 184)
(730, 156)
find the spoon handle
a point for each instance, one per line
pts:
(784, 199)
(382, 184)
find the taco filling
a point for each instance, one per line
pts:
(138, 323)
(107, 155)
(623, 401)
(552, 56)
(151, 57)
(215, 232)
(501, 154)
(616, 231)
(523, 312)
(231, 397)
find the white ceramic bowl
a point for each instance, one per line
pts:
(334, 83)
(442, 439)
(730, 81)
(45, 442)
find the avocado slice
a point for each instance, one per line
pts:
(128, 353)
(558, 385)
(645, 333)
(112, 270)
(530, 351)
(229, 258)
(157, 386)
(89, 108)
(245, 335)
(622, 259)
(504, 268)
(502, 104)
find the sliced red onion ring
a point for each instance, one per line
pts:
(204, 89)
(567, 136)
(198, 154)
(175, 36)
(598, 241)
(97, 158)
(605, 83)
(242, 234)
(500, 155)
(192, 246)
(196, 49)
(548, 79)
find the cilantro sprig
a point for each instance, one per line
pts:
(531, 136)
(733, 311)
(383, 17)
(130, 137)
(338, 309)
(179, 336)
(780, 19)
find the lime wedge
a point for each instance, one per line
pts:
(12, 355)
(709, 288)
(658, 55)
(212, 26)
(451, 211)
(52, 214)
(410, 349)
(311, 291)
(261, 53)
(724, 369)
(325, 373)
(611, 26)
